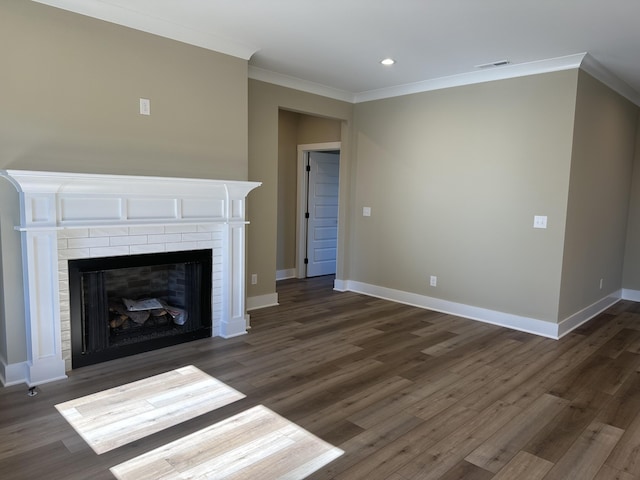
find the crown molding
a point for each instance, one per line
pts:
(485, 75)
(268, 76)
(598, 71)
(109, 12)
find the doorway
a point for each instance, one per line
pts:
(318, 186)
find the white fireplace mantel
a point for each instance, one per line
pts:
(55, 203)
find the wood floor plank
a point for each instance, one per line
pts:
(361, 447)
(622, 409)
(498, 450)
(387, 460)
(610, 473)
(467, 471)
(557, 436)
(587, 455)
(445, 454)
(624, 456)
(343, 409)
(524, 465)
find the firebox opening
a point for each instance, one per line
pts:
(125, 305)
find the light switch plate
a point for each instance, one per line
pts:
(540, 221)
(366, 211)
(145, 106)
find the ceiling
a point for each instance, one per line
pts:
(334, 47)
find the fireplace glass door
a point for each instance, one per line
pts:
(130, 304)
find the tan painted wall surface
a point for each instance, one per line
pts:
(454, 179)
(265, 101)
(318, 130)
(12, 329)
(631, 276)
(287, 189)
(70, 99)
(601, 166)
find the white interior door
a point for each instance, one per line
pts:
(322, 207)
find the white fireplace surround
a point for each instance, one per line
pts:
(65, 216)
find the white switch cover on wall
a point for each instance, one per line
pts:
(366, 211)
(145, 106)
(540, 221)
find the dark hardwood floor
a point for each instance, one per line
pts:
(406, 393)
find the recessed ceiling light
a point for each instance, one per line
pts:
(387, 61)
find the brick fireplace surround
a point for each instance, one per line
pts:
(64, 216)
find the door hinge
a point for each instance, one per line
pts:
(306, 261)
(306, 215)
(308, 168)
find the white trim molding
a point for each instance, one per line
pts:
(67, 216)
(480, 76)
(285, 274)
(515, 322)
(13, 374)
(268, 76)
(631, 295)
(598, 71)
(583, 316)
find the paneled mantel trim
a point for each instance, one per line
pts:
(51, 202)
(53, 199)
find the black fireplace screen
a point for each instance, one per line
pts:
(125, 305)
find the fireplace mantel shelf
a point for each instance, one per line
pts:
(52, 199)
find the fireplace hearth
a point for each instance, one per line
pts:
(125, 305)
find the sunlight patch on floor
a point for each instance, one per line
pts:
(120, 415)
(256, 443)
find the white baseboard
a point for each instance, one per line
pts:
(13, 374)
(262, 301)
(583, 316)
(515, 322)
(286, 274)
(632, 295)
(340, 285)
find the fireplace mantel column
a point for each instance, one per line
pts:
(38, 232)
(42, 307)
(234, 320)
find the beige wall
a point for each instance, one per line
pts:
(454, 178)
(12, 328)
(601, 166)
(265, 102)
(287, 189)
(318, 130)
(71, 87)
(295, 129)
(631, 273)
